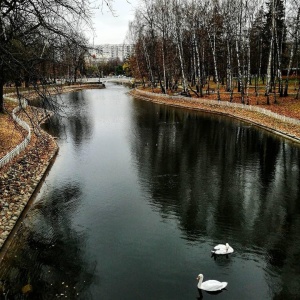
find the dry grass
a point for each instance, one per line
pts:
(11, 134)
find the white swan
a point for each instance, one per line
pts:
(222, 249)
(210, 285)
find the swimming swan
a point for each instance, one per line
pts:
(222, 249)
(210, 285)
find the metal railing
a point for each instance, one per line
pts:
(16, 151)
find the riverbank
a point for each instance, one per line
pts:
(20, 178)
(278, 126)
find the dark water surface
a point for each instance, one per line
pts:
(140, 193)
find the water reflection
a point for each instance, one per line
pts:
(139, 195)
(223, 181)
(74, 122)
(42, 260)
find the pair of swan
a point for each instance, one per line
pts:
(214, 285)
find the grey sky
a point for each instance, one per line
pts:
(109, 28)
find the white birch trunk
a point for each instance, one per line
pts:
(179, 45)
(239, 69)
(198, 69)
(229, 73)
(268, 79)
(295, 34)
(213, 48)
(148, 62)
(260, 61)
(164, 66)
(278, 73)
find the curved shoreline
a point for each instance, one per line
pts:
(20, 180)
(22, 177)
(266, 122)
(36, 188)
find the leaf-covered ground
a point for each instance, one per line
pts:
(11, 134)
(287, 106)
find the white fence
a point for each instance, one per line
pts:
(229, 104)
(10, 155)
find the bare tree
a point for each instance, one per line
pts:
(28, 23)
(178, 23)
(294, 26)
(187, 39)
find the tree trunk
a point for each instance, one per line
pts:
(1, 90)
(292, 54)
(286, 86)
(213, 48)
(179, 45)
(240, 81)
(248, 70)
(200, 84)
(148, 63)
(269, 68)
(228, 73)
(164, 68)
(278, 73)
(260, 61)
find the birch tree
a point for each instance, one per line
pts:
(178, 29)
(275, 26)
(162, 16)
(227, 10)
(294, 25)
(242, 39)
(212, 33)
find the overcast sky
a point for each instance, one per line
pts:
(109, 28)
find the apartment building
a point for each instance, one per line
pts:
(105, 52)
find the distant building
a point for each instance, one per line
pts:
(105, 52)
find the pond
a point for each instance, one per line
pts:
(139, 195)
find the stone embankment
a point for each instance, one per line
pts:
(20, 178)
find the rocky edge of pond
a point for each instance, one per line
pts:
(21, 177)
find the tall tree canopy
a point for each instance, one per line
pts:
(35, 33)
(233, 41)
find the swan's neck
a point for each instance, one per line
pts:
(200, 281)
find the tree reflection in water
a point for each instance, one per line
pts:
(39, 256)
(201, 174)
(74, 121)
(157, 187)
